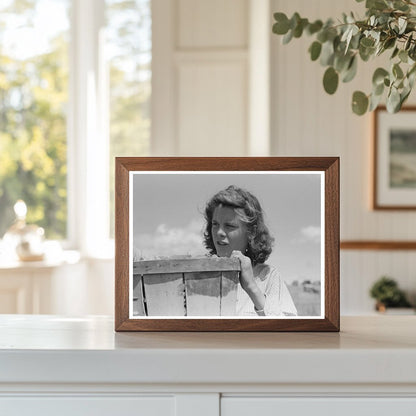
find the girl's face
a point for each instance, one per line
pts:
(228, 231)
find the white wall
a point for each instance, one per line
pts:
(308, 122)
(202, 84)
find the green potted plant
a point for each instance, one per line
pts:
(387, 294)
(389, 27)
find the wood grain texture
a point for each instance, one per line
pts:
(332, 265)
(225, 163)
(188, 265)
(138, 298)
(378, 245)
(203, 293)
(164, 294)
(229, 282)
(121, 313)
(330, 165)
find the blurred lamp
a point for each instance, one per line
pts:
(25, 241)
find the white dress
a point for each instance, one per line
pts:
(278, 299)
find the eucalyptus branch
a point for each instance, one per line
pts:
(389, 25)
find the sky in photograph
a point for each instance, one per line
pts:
(168, 216)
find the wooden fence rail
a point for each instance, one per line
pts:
(185, 287)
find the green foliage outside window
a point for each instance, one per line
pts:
(33, 99)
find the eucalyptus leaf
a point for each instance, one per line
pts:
(408, 42)
(330, 80)
(395, 52)
(400, 5)
(378, 89)
(350, 73)
(383, 19)
(331, 33)
(380, 49)
(346, 34)
(412, 70)
(411, 76)
(403, 56)
(298, 30)
(366, 53)
(376, 36)
(376, 4)
(351, 32)
(389, 43)
(367, 42)
(314, 27)
(412, 52)
(322, 35)
(350, 18)
(281, 26)
(411, 79)
(402, 22)
(294, 21)
(393, 101)
(315, 50)
(355, 41)
(337, 44)
(288, 37)
(399, 85)
(341, 62)
(379, 75)
(397, 71)
(395, 27)
(404, 95)
(327, 53)
(374, 102)
(359, 103)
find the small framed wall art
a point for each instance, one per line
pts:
(394, 179)
(227, 244)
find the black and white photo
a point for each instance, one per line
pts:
(270, 222)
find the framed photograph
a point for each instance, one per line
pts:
(227, 244)
(394, 159)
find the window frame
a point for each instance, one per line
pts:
(88, 133)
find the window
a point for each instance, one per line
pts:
(75, 87)
(33, 97)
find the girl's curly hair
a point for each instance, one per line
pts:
(248, 209)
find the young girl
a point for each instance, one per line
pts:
(235, 228)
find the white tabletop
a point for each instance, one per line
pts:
(373, 349)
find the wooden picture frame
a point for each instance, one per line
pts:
(394, 159)
(310, 184)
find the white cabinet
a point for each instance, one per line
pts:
(39, 287)
(324, 406)
(67, 286)
(88, 406)
(26, 291)
(79, 366)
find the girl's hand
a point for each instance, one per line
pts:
(248, 283)
(246, 273)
